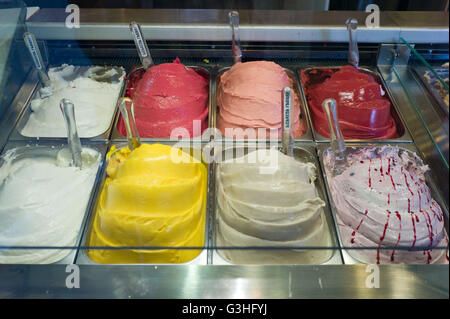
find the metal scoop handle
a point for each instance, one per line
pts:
(337, 140)
(235, 39)
(68, 110)
(287, 126)
(33, 48)
(141, 45)
(353, 53)
(127, 110)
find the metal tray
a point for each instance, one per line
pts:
(307, 136)
(432, 185)
(26, 111)
(304, 152)
(116, 136)
(48, 148)
(420, 73)
(405, 136)
(82, 258)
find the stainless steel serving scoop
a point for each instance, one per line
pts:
(33, 48)
(287, 127)
(141, 45)
(67, 108)
(235, 39)
(338, 147)
(127, 110)
(353, 53)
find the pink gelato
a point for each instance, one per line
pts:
(169, 96)
(249, 96)
(382, 200)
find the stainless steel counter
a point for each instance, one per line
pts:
(217, 282)
(212, 25)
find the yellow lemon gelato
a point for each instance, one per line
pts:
(154, 195)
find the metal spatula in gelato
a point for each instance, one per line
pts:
(287, 127)
(234, 23)
(337, 140)
(33, 48)
(141, 45)
(127, 111)
(67, 108)
(353, 53)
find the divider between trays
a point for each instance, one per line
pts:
(82, 258)
(395, 110)
(322, 147)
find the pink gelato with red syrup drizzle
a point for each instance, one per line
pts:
(382, 201)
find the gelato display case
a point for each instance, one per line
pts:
(156, 153)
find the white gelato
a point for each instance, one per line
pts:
(276, 209)
(94, 101)
(42, 203)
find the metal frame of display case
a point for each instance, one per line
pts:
(239, 281)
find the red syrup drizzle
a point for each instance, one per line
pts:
(381, 166)
(420, 201)
(389, 173)
(428, 196)
(430, 235)
(392, 181)
(438, 216)
(412, 213)
(412, 178)
(389, 198)
(407, 185)
(429, 226)
(399, 233)
(382, 236)
(414, 230)
(370, 179)
(357, 228)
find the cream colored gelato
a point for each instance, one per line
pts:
(270, 208)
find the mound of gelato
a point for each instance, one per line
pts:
(166, 97)
(153, 196)
(363, 110)
(383, 201)
(42, 203)
(94, 94)
(249, 96)
(267, 199)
